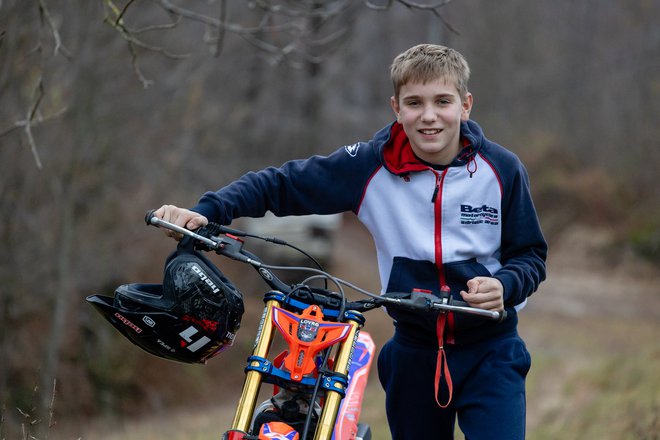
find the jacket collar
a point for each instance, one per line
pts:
(398, 157)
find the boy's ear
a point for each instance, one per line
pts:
(467, 106)
(395, 107)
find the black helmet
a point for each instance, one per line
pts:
(190, 318)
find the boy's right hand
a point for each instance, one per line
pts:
(484, 293)
(181, 217)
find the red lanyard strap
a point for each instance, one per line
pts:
(441, 362)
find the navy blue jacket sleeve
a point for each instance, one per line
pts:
(318, 185)
(524, 249)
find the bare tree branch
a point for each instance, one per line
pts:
(28, 122)
(294, 31)
(45, 14)
(33, 117)
(321, 9)
(221, 32)
(446, 22)
(371, 5)
(32, 120)
(123, 11)
(38, 120)
(128, 35)
(215, 23)
(433, 6)
(157, 27)
(136, 67)
(51, 406)
(284, 19)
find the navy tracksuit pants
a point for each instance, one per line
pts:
(488, 389)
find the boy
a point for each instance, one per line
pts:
(446, 207)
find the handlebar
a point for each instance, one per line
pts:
(427, 302)
(231, 246)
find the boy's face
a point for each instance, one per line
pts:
(431, 115)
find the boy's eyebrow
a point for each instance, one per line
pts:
(439, 95)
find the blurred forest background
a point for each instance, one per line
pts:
(109, 108)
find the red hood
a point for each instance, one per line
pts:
(398, 154)
(399, 157)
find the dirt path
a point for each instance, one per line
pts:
(588, 316)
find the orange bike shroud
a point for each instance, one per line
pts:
(306, 335)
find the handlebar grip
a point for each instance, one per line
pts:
(149, 216)
(501, 315)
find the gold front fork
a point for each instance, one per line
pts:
(248, 400)
(333, 399)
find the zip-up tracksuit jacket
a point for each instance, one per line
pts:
(432, 226)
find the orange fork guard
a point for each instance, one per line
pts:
(306, 335)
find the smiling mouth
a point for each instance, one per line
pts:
(430, 131)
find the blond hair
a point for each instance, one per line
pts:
(428, 62)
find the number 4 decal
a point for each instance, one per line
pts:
(187, 336)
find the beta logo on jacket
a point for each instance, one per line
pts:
(476, 215)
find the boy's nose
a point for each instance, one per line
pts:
(429, 114)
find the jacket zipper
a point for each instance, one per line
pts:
(437, 213)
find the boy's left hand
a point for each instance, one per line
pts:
(484, 293)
